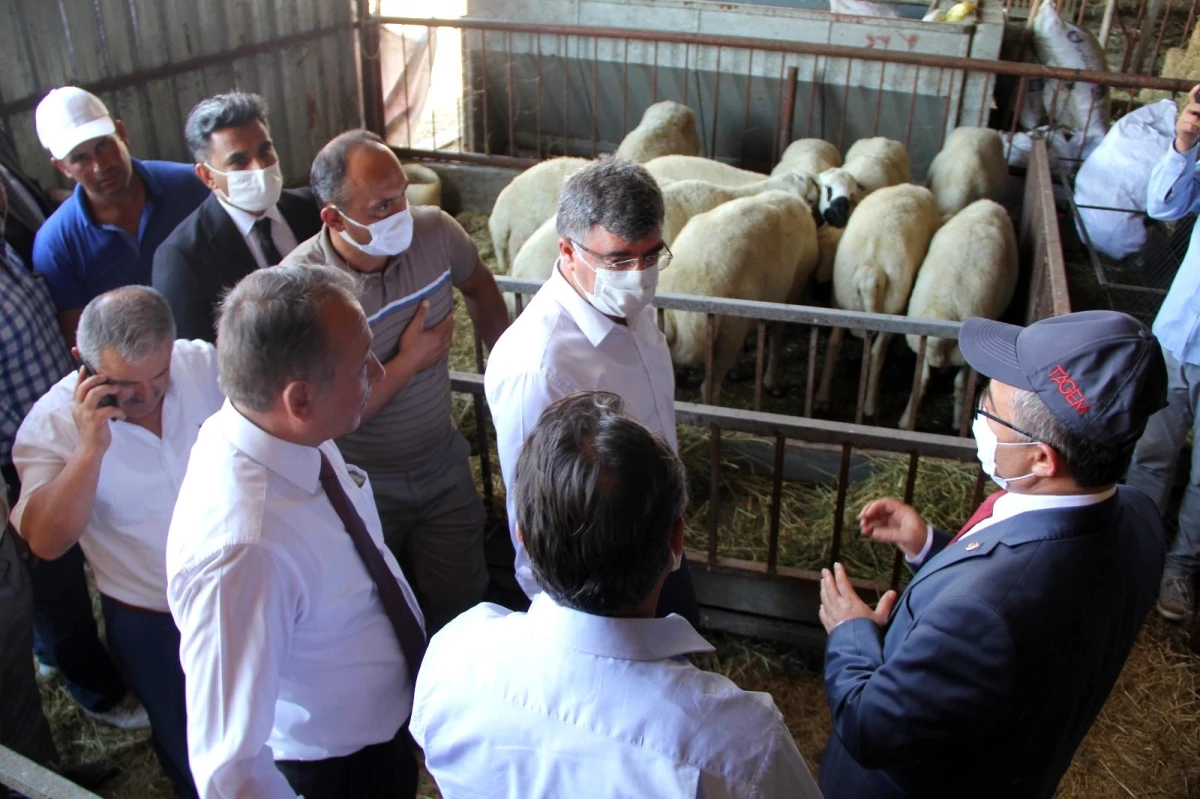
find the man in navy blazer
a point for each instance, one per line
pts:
(247, 223)
(984, 676)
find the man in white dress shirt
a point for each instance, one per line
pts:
(588, 694)
(301, 636)
(592, 328)
(101, 457)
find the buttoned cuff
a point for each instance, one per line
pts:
(924, 553)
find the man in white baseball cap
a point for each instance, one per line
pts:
(105, 235)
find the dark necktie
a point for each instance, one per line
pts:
(262, 232)
(984, 511)
(408, 630)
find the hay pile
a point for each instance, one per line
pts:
(807, 509)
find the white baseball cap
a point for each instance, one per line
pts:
(69, 116)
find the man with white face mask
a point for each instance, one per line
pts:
(592, 328)
(984, 677)
(248, 222)
(407, 262)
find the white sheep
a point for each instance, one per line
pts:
(528, 199)
(689, 167)
(813, 156)
(877, 259)
(828, 238)
(682, 200)
(666, 128)
(762, 247)
(877, 163)
(970, 167)
(970, 270)
(839, 190)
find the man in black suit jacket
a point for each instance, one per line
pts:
(247, 223)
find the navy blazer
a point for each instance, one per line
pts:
(206, 255)
(997, 658)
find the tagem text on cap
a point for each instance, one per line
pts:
(1101, 373)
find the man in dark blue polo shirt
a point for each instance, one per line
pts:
(104, 236)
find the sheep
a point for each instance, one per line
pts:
(681, 201)
(970, 167)
(970, 270)
(881, 249)
(877, 163)
(813, 156)
(762, 247)
(529, 198)
(687, 167)
(667, 128)
(828, 238)
(839, 190)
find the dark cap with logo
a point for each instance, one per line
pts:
(1101, 373)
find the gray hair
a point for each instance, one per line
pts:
(132, 321)
(597, 496)
(270, 332)
(328, 176)
(1093, 464)
(618, 195)
(232, 110)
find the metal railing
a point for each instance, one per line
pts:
(34, 781)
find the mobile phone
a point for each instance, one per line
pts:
(108, 400)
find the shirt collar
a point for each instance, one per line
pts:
(619, 638)
(295, 463)
(1013, 503)
(244, 220)
(153, 191)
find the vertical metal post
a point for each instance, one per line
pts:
(714, 490)
(835, 546)
(760, 348)
(370, 67)
(789, 111)
(776, 506)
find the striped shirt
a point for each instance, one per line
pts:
(415, 426)
(33, 355)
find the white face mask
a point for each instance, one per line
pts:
(620, 294)
(986, 443)
(253, 190)
(676, 560)
(390, 236)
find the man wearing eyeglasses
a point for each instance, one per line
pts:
(984, 677)
(592, 328)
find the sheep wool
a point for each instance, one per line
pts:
(525, 203)
(877, 163)
(666, 128)
(688, 167)
(969, 167)
(877, 259)
(813, 156)
(970, 270)
(762, 247)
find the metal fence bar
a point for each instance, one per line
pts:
(1117, 80)
(36, 782)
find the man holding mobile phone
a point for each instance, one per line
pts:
(101, 457)
(1172, 194)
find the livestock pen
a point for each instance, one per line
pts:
(756, 95)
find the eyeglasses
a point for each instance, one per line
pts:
(979, 411)
(660, 258)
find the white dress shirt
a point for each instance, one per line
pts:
(559, 345)
(1012, 504)
(125, 540)
(555, 702)
(281, 234)
(287, 650)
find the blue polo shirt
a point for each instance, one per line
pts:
(81, 260)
